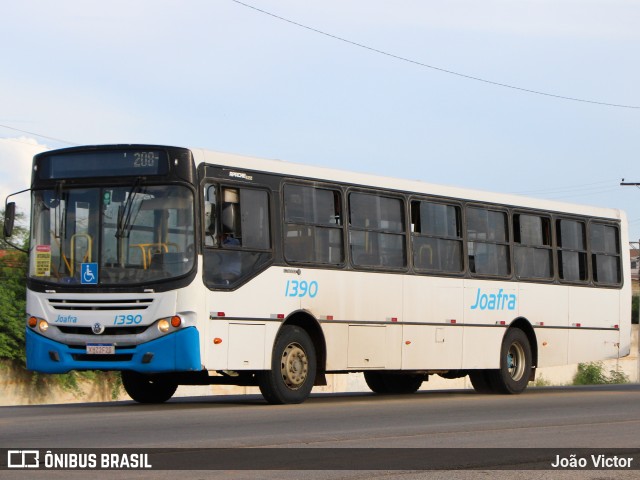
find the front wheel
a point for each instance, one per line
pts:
(148, 388)
(293, 368)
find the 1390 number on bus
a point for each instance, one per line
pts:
(127, 319)
(302, 288)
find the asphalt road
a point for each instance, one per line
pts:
(550, 418)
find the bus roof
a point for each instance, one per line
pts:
(342, 176)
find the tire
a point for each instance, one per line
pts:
(515, 364)
(375, 381)
(293, 368)
(148, 388)
(391, 383)
(480, 379)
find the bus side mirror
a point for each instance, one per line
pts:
(9, 219)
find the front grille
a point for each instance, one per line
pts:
(107, 331)
(73, 304)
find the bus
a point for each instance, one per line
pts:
(183, 266)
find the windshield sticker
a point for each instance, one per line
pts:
(43, 260)
(89, 275)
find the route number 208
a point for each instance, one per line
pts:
(302, 288)
(145, 159)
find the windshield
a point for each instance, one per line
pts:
(112, 236)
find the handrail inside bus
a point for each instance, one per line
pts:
(87, 256)
(148, 249)
(426, 247)
(70, 263)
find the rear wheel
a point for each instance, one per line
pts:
(515, 367)
(375, 381)
(293, 368)
(148, 388)
(393, 383)
(480, 379)
(515, 363)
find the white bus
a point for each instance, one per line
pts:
(179, 266)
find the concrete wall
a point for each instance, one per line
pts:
(18, 388)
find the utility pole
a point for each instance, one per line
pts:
(634, 184)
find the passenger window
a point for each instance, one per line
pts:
(436, 237)
(488, 237)
(313, 225)
(533, 252)
(605, 254)
(572, 250)
(376, 231)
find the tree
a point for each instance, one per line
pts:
(13, 273)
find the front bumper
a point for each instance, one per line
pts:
(176, 352)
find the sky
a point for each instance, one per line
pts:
(369, 86)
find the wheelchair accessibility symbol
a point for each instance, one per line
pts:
(89, 275)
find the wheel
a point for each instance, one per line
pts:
(293, 368)
(148, 388)
(375, 381)
(480, 379)
(515, 363)
(386, 383)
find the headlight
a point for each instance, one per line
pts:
(43, 326)
(169, 323)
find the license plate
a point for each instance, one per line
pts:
(101, 349)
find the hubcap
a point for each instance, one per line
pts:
(516, 361)
(294, 366)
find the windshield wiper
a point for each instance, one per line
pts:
(59, 204)
(61, 217)
(124, 220)
(125, 211)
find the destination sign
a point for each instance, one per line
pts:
(107, 163)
